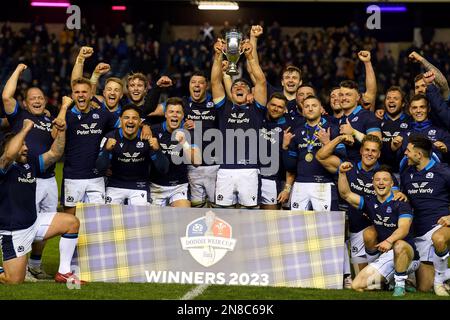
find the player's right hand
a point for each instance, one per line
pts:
(219, 46)
(415, 57)
(154, 144)
(66, 101)
(102, 68)
(345, 167)
(379, 114)
(396, 143)
(86, 52)
(110, 144)
(189, 124)
(444, 221)
(287, 138)
(256, 31)
(21, 67)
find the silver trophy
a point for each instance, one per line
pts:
(233, 51)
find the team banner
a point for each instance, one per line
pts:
(210, 246)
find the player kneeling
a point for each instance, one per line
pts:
(392, 253)
(20, 225)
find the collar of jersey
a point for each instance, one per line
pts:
(402, 117)
(75, 110)
(357, 109)
(321, 122)
(208, 98)
(121, 133)
(119, 108)
(430, 164)
(374, 167)
(419, 126)
(241, 107)
(164, 126)
(389, 199)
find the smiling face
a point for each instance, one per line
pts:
(303, 93)
(82, 94)
(197, 88)
(239, 92)
(291, 81)
(130, 121)
(136, 90)
(382, 183)
(419, 110)
(348, 98)
(335, 103)
(413, 154)
(393, 103)
(370, 152)
(420, 87)
(112, 93)
(35, 101)
(276, 108)
(174, 116)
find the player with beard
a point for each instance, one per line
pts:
(439, 108)
(276, 121)
(39, 141)
(356, 121)
(199, 116)
(86, 127)
(392, 253)
(129, 159)
(20, 223)
(395, 121)
(172, 188)
(335, 105)
(313, 183)
(238, 178)
(113, 99)
(427, 182)
(420, 124)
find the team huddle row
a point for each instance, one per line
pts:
(133, 149)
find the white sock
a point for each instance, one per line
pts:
(440, 262)
(347, 269)
(67, 246)
(400, 278)
(447, 274)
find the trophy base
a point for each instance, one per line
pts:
(232, 72)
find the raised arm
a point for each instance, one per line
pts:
(56, 150)
(217, 89)
(227, 81)
(77, 71)
(255, 33)
(441, 81)
(371, 82)
(191, 152)
(12, 149)
(100, 69)
(438, 105)
(344, 188)
(59, 123)
(10, 89)
(260, 93)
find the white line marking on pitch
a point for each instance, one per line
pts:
(195, 292)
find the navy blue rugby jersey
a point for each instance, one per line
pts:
(428, 193)
(83, 136)
(39, 140)
(391, 129)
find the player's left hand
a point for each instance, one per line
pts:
(379, 114)
(154, 144)
(256, 31)
(189, 124)
(324, 136)
(441, 146)
(444, 221)
(400, 196)
(283, 197)
(102, 68)
(247, 48)
(180, 137)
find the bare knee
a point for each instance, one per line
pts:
(74, 224)
(439, 240)
(14, 278)
(358, 284)
(400, 247)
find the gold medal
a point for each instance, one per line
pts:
(309, 157)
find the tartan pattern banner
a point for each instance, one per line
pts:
(212, 246)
